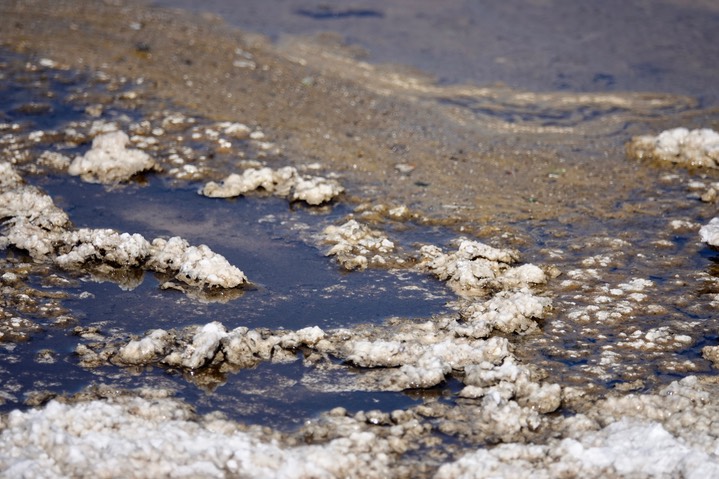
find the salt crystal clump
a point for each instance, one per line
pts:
(475, 267)
(109, 161)
(205, 345)
(194, 347)
(626, 448)
(194, 265)
(284, 182)
(679, 145)
(159, 437)
(8, 177)
(146, 349)
(35, 224)
(709, 233)
(102, 245)
(508, 312)
(356, 245)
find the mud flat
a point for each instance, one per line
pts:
(561, 271)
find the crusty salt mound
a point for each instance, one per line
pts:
(285, 182)
(709, 233)
(160, 437)
(35, 224)
(355, 245)
(679, 145)
(476, 267)
(110, 161)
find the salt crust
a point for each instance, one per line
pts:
(476, 267)
(198, 346)
(679, 145)
(109, 160)
(669, 434)
(36, 225)
(136, 437)
(356, 246)
(709, 233)
(284, 182)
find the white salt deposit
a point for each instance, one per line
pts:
(194, 265)
(475, 266)
(109, 160)
(623, 449)
(679, 145)
(356, 246)
(102, 245)
(159, 437)
(709, 233)
(146, 349)
(36, 225)
(285, 182)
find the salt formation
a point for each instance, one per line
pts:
(285, 182)
(159, 437)
(193, 265)
(36, 225)
(195, 347)
(475, 267)
(669, 434)
(356, 246)
(709, 233)
(109, 160)
(679, 145)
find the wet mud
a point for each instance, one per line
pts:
(539, 169)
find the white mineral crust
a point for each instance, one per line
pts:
(109, 161)
(35, 224)
(284, 182)
(679, 145)
(476, 266)
(709, 233)
(194, 265)
(143, 350)
(148, 438)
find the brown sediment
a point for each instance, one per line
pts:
(473, 154)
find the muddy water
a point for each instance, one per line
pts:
(536, 164)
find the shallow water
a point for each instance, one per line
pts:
(293, 283)
(545, 45)
(556, 185)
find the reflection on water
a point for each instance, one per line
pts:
(545, 45)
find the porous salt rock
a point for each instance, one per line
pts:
(102, 245)
(146, 349)
(160, 437)
(474, 267)
(205, 345)
(309, 336)
(245, 348)
(34, 207)
(624, 449)
(8, 176)
(354, 242)
(422, 365)
(284, 182)
(709, 233)
(194, 265)
(316, 190)
(509, 312)
(109, 161)
(711, 353)
(679, 145)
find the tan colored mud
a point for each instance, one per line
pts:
(479, 154)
